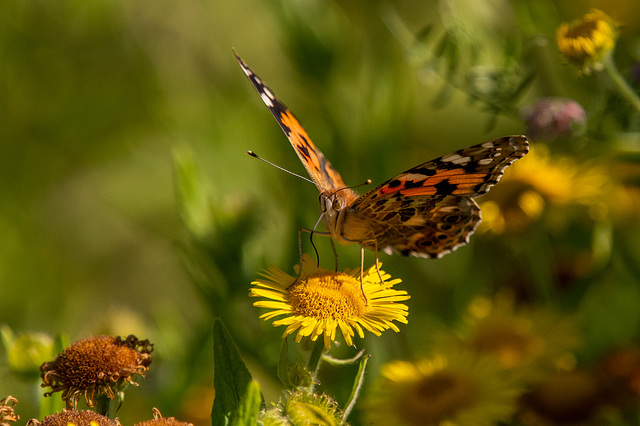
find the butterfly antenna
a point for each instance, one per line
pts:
(366, 182)
(254, 155)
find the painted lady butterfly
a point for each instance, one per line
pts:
(427, 211)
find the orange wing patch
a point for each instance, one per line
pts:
(301, 141)
(450, 182)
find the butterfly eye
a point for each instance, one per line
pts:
(337, 204)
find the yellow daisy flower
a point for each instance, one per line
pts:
(458, 389)
(322, 301)
(585, 42)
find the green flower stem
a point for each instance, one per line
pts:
(357, 386)
(620, 83)
(103, 405)
(315, 358)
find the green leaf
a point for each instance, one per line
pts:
(249, 408)
(424, 33)
(231, 377)
(51, 405)
(526, 82)
(442, 45)
(283, 365)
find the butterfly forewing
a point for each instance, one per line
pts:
(326, 178)
(469, 171)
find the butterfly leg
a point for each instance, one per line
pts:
(378, 262)
(366, 302)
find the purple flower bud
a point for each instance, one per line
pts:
(551, 118)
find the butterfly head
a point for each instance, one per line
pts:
(332, 204)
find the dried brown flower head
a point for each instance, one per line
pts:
(158, 420)
(7, 414)
(96, 365)
(75, 417)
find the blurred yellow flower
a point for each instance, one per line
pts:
(538, 181)
(585, 42)
(458, 389)
(320, 302)
(533, 340)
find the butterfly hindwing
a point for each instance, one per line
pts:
(424, 226)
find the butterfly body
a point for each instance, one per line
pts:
(426, 211)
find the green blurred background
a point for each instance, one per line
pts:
(101, 231)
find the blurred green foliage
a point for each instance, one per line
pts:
(128, 204)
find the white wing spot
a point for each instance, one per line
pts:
(497, 154)
(485, 161)
(488, 145)
(266, 99)
(414, 177)
(268, 92)
(456, 159)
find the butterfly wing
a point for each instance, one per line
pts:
(429, 209)
(326, 178)
(469, 171)
(423, 226)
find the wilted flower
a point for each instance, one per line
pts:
(158, 420)
(462, 389)
(551, 118)
(303, 408)
(96, 365)
(7, 413)
(76, 418)
(585, 42)
(322, 301)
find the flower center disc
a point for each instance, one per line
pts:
(327, 296)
